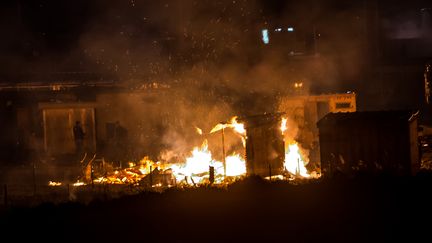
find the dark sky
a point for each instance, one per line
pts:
(144, 37)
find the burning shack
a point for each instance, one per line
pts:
(372, 142)
(265, 151)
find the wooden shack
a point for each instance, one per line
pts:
(265, 150)
(373, 142)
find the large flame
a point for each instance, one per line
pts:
(196, 165)
(294, 162)
(235, 165)
(195, 168)
(238, 127)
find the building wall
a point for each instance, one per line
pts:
(371, 142)
(140, 114)
(58, 128)
(306, 111)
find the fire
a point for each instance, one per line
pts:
(238, 127)
(284, 125)
(235, 165)
(199, 130)
(78, 183)
(54, 183)
(195, 168)
(195, 165)
(131, 175)
(146, 165)
(294, 162)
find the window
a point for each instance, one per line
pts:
(343, 105)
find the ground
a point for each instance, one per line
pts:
(364, 209)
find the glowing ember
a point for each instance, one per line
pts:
(146, 165)
(294, 162)
(53, 183)
(157, 185)
(79, 183)
(284, 125)
(199, 130)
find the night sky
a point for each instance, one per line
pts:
(53, 31)
(163, 40)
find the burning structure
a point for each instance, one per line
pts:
(304, 111)
(265, 147)
(372, 142)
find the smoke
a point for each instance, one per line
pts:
(209, 53)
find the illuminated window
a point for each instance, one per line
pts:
(265, 36)
(290, 29)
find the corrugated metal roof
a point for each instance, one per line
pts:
(335, 118)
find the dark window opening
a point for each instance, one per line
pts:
(343, 105)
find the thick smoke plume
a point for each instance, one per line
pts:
(208, 56)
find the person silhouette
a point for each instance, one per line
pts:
(121, 141)
(79, 135)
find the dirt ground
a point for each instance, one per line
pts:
(363, 209)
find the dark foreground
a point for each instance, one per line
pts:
(337, 210)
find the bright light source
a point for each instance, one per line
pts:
(265, 36)
(298, 85)
(290, 29)
(278, 29)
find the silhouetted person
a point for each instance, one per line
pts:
(120, 141)
(78, 136)
(120, 135)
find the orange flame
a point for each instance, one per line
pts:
(238, 127)
(235, 165)
(199, 130)
(294, 162)
(284, 125)
(54, 183)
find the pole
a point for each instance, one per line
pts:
(211, 172)
(151, 177)
(298, 167)
(91, 175)
(34, 178)
(68, 191)
(270, 172)
(5, 192)
(223, 151)
(315, 41)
